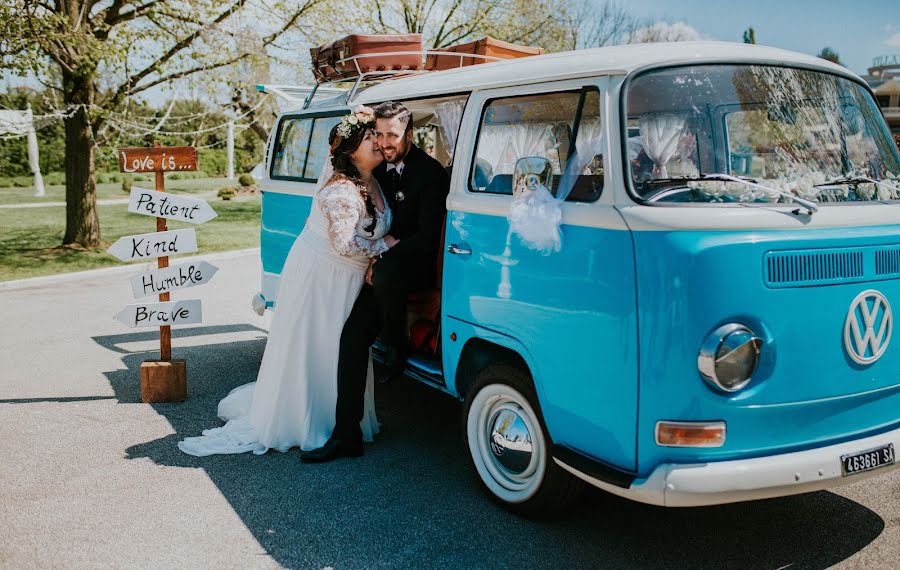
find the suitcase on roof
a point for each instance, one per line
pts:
(485, 46)
(370, 53)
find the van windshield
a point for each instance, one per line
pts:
(776, 132)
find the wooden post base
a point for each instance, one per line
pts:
(163, 381)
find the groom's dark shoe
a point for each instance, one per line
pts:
(333, 449)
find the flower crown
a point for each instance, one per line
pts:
(362, 117)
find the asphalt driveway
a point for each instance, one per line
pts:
(89, 476)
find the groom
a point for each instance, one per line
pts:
(416, 187)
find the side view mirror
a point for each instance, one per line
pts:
(530, 172)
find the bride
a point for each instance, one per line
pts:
(292, 403)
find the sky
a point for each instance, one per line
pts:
(858, 30)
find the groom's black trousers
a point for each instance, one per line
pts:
(360, 330)
(379, 309)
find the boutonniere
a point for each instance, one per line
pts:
(399, 196)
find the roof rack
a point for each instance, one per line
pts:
(382, 75)
(297, 94)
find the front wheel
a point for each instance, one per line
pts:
(509, 447)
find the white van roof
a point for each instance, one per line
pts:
(612, 60)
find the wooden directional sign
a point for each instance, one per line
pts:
(172, 278)
(161, 314)
(162, 205)
(157, 244)
(157, 159)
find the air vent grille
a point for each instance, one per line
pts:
(806, 268)
(887, 262)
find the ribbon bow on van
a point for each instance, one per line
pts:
(535, 214)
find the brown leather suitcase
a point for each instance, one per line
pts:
(322, 68)
(485, 46)
(328, 64)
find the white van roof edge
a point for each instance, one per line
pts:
(559, 66)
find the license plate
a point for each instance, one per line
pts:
(867, 460)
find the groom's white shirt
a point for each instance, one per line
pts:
(399, 166)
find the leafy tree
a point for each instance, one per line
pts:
(103, 52)
(830, 55)
(664, 32)
(750, 35)
(552, 25)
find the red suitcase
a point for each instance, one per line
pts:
(328, 64)
(485, 46)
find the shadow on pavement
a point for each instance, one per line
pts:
(412, 500)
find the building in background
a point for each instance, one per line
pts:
(884, 79)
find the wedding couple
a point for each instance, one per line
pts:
(373, 236)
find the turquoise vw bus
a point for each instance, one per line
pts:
(716, 323)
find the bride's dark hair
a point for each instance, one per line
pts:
(344, 169)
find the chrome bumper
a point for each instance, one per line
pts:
(700, 484)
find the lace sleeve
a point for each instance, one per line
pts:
(341, 209)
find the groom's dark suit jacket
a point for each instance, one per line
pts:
(417, 218)
(410, 265)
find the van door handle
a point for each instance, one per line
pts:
(455, 250)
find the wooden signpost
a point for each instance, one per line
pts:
(156, 245)
(161, 314)
(162, 205)
(172, 278)
(163, 380)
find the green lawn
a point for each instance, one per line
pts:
(112, 190)
(30, 237)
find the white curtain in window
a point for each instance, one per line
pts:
(660, 135)
(503, 145)
(534, 140)
(491, 144)
(449, 115)
(588, 145)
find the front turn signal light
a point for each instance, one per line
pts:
(690, 434)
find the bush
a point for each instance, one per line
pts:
(126, 183)
(55, 178)
(213, 161)
(227, 193)
(246, 179)
(187, 175)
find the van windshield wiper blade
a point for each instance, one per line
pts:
(718, 177)
(857, 180)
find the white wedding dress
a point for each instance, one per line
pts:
(292, 403)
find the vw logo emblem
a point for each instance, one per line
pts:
(497, 445)
(868, 327)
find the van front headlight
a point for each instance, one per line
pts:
(728, 357)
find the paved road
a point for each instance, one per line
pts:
(89, 476)
(106, 202)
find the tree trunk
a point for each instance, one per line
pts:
(82, 223)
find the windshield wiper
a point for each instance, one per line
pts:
(857, 180)
(718, 177)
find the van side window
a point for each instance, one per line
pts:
(318, 146)
(290, 148)
(543, 126)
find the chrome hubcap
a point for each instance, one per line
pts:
(510, 441)
(506, 443)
